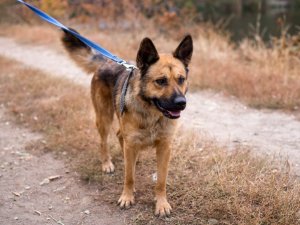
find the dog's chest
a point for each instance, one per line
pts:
(151, 133)
(148, 132)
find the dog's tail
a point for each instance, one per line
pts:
(82, 54)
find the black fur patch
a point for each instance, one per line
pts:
(184, 50)
(110, 75)
(71, 42)
(146, 56)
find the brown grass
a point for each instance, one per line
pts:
(31, 34)
(205, 182)
(261, 77)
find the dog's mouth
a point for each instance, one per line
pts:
(171, 114)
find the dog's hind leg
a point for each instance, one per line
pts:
(103, 105)
(103, 129)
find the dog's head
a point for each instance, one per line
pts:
(164, 76)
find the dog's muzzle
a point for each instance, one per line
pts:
(171, 108)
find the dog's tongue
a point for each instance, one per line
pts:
(174, 113)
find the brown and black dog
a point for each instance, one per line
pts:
(154, 98)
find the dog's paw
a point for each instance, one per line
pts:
(125, 201)
(108, 167)
(162, 208)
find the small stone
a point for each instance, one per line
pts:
(37, 212)
(50, 207)
(55, 177)
(213, 222)
(51, 178)
(35, 118)
(16, 218)
(17, 194)
(27, 187)
(87, 212)
(45, 181)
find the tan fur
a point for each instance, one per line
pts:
(171, 68)
(142, 125)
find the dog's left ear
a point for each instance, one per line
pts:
(184, 50)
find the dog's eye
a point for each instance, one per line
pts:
(181, 80)
(162, 81)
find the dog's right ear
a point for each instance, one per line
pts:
(184, 50)
(147, 55)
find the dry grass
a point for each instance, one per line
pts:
(31, 34)
(205, 182)
(261, 77)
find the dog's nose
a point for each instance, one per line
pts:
(180, 101)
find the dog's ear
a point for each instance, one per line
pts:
(147, 55)
(184, 50)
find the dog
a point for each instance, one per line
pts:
(147, 110)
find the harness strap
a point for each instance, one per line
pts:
(123, 92)
(89, 43)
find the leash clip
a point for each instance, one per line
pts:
(128, 66)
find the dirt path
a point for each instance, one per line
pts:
(23, 200)
(224, 119)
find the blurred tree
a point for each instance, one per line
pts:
(56, 7)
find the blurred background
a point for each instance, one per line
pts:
(241, 18)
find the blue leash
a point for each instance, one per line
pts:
(89, 43)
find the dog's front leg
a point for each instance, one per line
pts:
(163, 152)
(130, 156)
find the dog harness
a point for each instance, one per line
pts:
(124, 91)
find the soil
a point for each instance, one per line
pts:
(24, 199)
(222, 118)
(230, 122)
